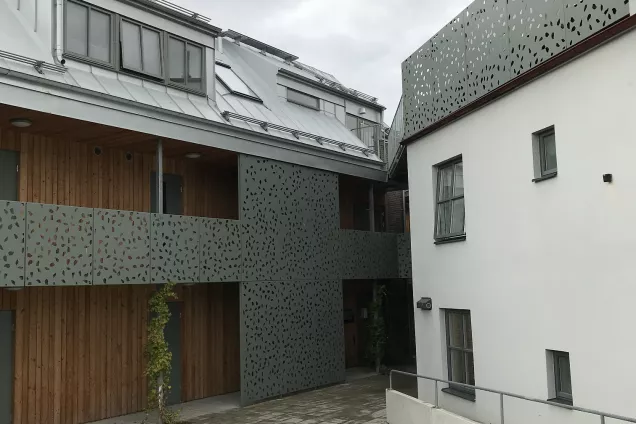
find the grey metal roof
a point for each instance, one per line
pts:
(241, 38)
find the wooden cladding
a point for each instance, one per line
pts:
(79, 351)
(71, 173)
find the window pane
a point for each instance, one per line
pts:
(151, 50)
(455, 329)
(469, 331)
(458, 366)
(99, 37)
(176, 60)
(130, 46)
(470, 368)
(302, 99)
(76, 29)
(565, 382)
(445, 183)
(459, 179)
(351, 122)
(443, 218)
(233, 82)
(457, 225)
(549, 152)
(195, 67)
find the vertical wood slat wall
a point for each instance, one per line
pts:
(79, 351)
(70, 173)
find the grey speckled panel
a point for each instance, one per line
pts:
(366, 255)
(12, 242)
(59, 245)
(586, 17)
(122, 247)
(292, 337)
(220, 250)
(489, 43)
(536, 32)
(175, 248)
(404, 255)
(289, 215)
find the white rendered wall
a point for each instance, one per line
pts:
(545, 266)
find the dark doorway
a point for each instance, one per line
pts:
(172, 194)
(357, 296)
(9, 161)
(172, 333)
(7, 341)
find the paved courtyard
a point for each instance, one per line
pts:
(357, 402)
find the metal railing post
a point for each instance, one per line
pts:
(391, 380)
(602, 419)
(501, 408)
(436, 395)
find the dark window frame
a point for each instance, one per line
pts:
(301, 104)
(561, 396)
(541, 137)
(236, 93)
(166, 53)
(460, 235)
(361, 124)
(111, 64)
(142, 26)
(464, 350)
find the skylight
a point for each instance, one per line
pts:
(232, 82)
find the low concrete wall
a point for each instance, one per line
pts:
(403, 409)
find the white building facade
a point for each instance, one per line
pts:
(521, 215)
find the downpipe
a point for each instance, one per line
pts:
(59, 33)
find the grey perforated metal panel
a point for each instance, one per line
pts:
(220, 250)
(586, 17)
(536, 32)
(122, 247)
(59, 245)
(174, 249)
(449, 57)
(12, 243)
(292, 337)
(366, 255)
(404, 255)
(289, 217)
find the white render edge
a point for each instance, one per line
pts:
(48, 97)
(632, 7)
(404, 409)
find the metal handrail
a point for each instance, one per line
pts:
(501, 394)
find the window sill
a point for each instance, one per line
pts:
(454, 239)
(561, 401)
(545, 177)
(459, 393)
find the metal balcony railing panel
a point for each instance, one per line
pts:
(396, 135)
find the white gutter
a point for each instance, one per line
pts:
(59, 32)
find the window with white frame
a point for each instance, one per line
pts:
(459, 347)
(233, 82)
(450, 208)
(104, 38)
(89, 32)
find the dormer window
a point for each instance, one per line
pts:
(303, 99)
(89, 33)
(186, 63)
(140, 49)
(233, 82)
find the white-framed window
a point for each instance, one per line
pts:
(89, 33)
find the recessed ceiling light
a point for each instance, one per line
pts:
(193, 155)
(21, 122)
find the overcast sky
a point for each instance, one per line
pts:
(362, 42)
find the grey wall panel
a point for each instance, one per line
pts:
(220, 250)
(289, 216)
(366, 255)
(489, 43)
(59, 245)
(536, 32)
(586, 17)
(175, 249)
(122, 247)
(12, 243)
(292, 337)
(404, 255)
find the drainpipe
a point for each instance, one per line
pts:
(59, 32)
(219, 44)
(159, 208)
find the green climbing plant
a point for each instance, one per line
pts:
(158, 356)
(377, 328)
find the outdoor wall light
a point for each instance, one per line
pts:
(425, 304)
(608, 178)
(193, 155)
(21, 122)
